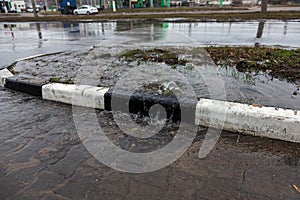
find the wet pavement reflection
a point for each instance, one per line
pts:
(24, 39)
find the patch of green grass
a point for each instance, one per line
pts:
(49, 13)
(54, 80)
(153, 55)
(280, 63)
(173, 9)
(59, 80)
(68, 81)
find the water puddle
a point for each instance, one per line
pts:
(101, 66)
(106, 67)
(24, 39)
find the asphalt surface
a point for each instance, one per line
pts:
(42, 157)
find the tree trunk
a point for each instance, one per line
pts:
(264, 6)
(260, 29)
(34, 8)
(46, 3)
(56, 4)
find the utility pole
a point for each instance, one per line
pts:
(264, 6)
(34, 8)
(56, 4)
(46, 3)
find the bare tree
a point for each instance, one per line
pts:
(264, 6)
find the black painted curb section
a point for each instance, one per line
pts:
(140, 103)
(23, 86)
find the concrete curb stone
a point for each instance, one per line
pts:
(270, 122)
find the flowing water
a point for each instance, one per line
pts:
(26, 39)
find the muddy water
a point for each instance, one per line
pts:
(102, 66)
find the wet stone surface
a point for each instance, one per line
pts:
(42, 157)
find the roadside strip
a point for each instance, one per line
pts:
(219, 15)
(270, 122)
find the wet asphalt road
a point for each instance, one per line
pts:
(42, 157)
(19, 40)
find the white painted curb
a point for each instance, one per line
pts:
(30, 57)
(37, 56)
(270, 122)
(79, 95)
(4, 73)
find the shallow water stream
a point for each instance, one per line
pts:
(112, 38)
